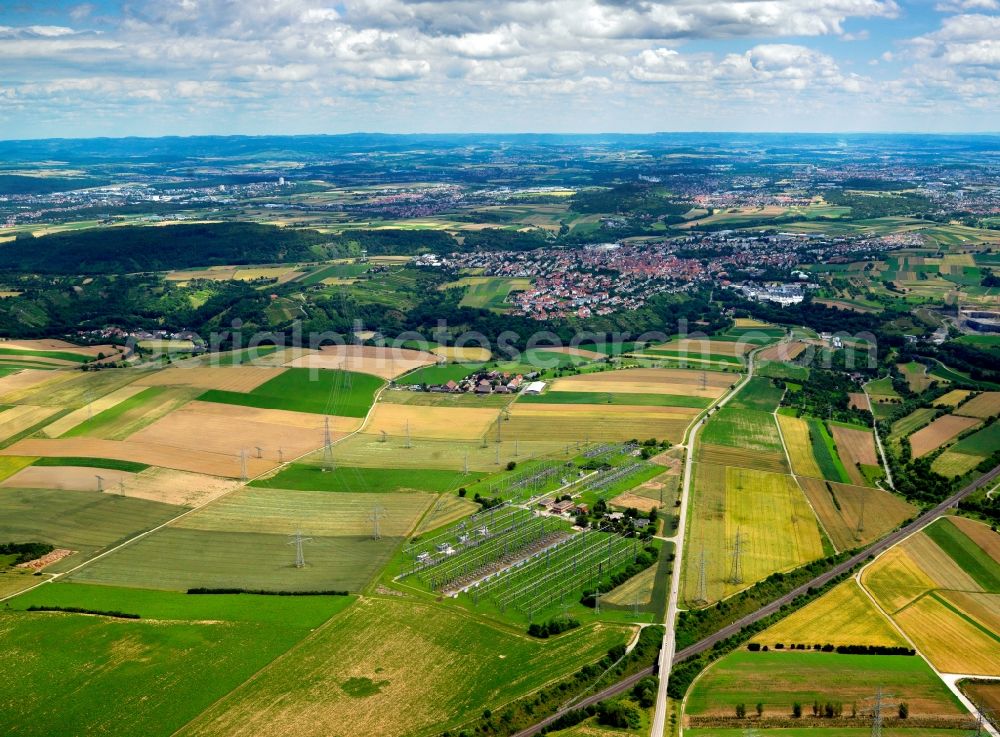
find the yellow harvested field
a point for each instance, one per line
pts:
(749, 322)
(985, 405)
(795, 431)
(952, 398)
(843, 616)
(783, 351)
(442, 423)
(980, 534)
(854, 447)
(183, 459)
(571, 422)
(227, 429)
(447, 509)
(40, 360)
(650, 381)
(386, 363)
(20, 418)
(939, 566)
(950, 642)
(67, 422)
(226, 378)
(571, 351)
(639, 588)
(878, 510)
(704, 347)
(462, 354)
(51, 344)
(15, 387)
(9, 465)
(895, 579)
(70, 389)
(76, 478)
(981, 606)
(859, 400)
(939, 432)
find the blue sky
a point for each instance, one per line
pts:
(313, 66)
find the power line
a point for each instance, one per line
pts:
(377, 514)
(328, 464)
(298, 541)
(736, 570)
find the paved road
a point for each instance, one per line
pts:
(922, 521)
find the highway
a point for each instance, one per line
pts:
(874, 549)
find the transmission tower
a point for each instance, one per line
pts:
(408, 443)
(499, 418)
(736, 570)
(466, 468)
(260, 451)
(861, 518)
(328, 464)
(121, 487)
(880, 702)
(978, 724)
(100, 483)
(702, 596)
(298, 541)
(243, 465)
(704, 380)
(281, 456)
(377, 514)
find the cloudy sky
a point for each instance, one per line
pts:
(155, 67)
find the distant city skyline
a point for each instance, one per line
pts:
(190, 67)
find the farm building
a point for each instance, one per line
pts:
(535, 387)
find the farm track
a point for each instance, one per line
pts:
(706, 644)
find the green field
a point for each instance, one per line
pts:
(438, 374)
(982, 443)
(644, 400)
(103, 424)
(780, 678)
(322, 391)
(970, 557)
(392, 667)
(84, 521)
(59, 355)
(742, 428)
(243, 540)
(881, 389)
(779, 370)
(138, 677)
(825, 452)
(334, 271)
(111, 463)
(489, 292)
(912, 422)
(238, 358)
(308, 477)
(759, 393)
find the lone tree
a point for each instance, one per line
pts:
(741, 711)
(797, 710)
(760, 709)
(904, 710)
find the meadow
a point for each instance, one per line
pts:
(138, 677)
(394, 667)
(242, 540)
(83, 521)
(759, 394)
(750, 429)
(321, 391)
(438, 374)
(313, 477)
(488, 292)
(780, 678)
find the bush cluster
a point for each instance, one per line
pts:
(554, 626)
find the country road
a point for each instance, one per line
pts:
(874, 549)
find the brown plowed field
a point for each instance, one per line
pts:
(226, 378)
(386, 363)
(938, 433)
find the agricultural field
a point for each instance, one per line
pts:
(69, 421)
(905, 426)
(462, 354)
(321, 391)
(759, 394)
(222, 378)
(778, 679)
(389, 666)
(844, 615)
(753, 430)
(146, 676)
(728, 501)
(386, 363)
(440, 423)
(856, 448)
(686, 382)
(952, 463)
(953, 398)
(488, 292)
(437, 374)
(982, 406)
(313, 477)
(783, 352)
(242, 540)
(880, 390)
(573, 422)
(939, 432)
(859, 400)
(916, 376)
(854, 515)
(795, 432)
(21, 418)
(942, 588)
(86, 522)
(553, 396)
(131, 415)
(723, 455)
